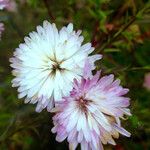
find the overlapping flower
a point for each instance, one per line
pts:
(46, 64)
(53, 69)
(91, 114)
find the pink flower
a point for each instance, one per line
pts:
(3, 4)
(1, 29)
(146, 83)
(91, 114)
(12, 7)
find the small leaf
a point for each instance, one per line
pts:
(111, 50)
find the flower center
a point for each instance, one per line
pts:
(82, 103)
(55, 66)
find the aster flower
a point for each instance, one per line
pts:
(91, 114)
(3, 4)
(146, 83)
(46, 64)
(1, 29)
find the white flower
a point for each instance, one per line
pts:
(46, 64)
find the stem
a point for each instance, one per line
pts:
(15, 26)
(116, 35)
(48, 9)
(139, 68)
(8, 130)
(94, 40)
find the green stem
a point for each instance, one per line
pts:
(15, 26)
(139, 68)
(117, 34)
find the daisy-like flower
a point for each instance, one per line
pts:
(46, 64)
(3, 4)
(91, 114)
(1, 29)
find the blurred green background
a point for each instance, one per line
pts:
(118, 29)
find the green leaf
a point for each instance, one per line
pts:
(108, 50)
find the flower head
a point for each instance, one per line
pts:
(146, 83)
(91, 114)
(46, 64)
(1, 29)
(3, 4)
